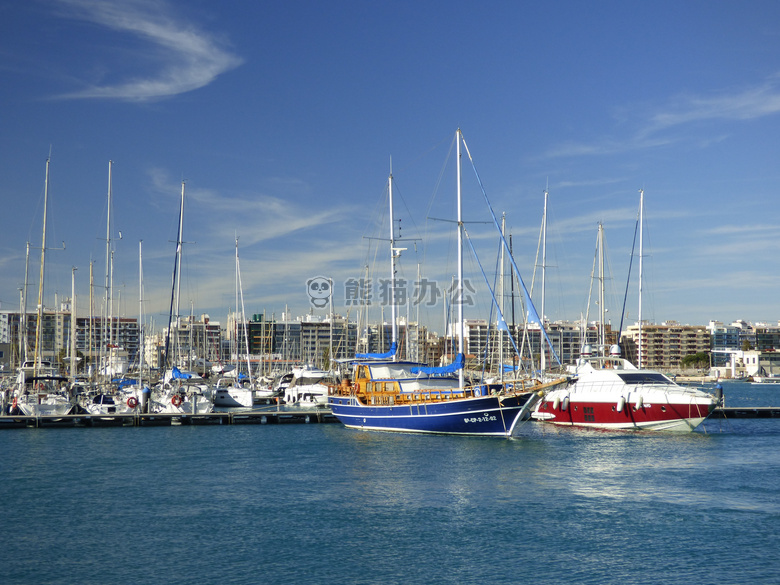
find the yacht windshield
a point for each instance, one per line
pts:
(643, 378)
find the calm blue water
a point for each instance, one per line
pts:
(323, 504)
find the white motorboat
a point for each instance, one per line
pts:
(308, 387)
(611, 393)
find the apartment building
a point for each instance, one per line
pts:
(664, 346)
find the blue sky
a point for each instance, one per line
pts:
(283, 117)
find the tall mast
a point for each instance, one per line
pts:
(328, 366)
(501, 306)
(641, 222)
(38, 323)
(602, 312)
(459, 294)
(73, 362)
(393, 316)
(174, 295)
(140, 317)
(107, 329)
(543, 364)
(240, 289)
(179, 253)
(91, 314)
(25, 341)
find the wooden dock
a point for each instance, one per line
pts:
(263, 416)
(746, 412)
(238, 417)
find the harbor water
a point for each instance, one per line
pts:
(318, 503)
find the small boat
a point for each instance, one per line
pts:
(230, 394)
(771, 379)
(309, 387)
(107, 404)
(182, 398)
(609, 392)
(42, 396)
(39, 391)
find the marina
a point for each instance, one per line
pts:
(190, 503)
(268, 416)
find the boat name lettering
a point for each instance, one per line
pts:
(480, 419)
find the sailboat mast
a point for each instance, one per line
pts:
(178, 264)
(240, 290)
(39, 323)
(641, 222)
(140, 316)
(107, 329)
(543, 352)
(501, 306)
(602, 312)
(73, 325)
(459, 294)
(24, 341)
(393, 316)
(91, 314)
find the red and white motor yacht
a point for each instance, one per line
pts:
(609, 392)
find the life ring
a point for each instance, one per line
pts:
(132, 402)
(176, 400)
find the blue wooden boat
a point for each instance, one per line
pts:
(385, 394)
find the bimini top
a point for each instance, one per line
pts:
(378, 356)
(456, 365)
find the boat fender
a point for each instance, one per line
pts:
(176, 400)
(565, 403)
(639, 402)
(621, 403)
(556, 402)
(132, 402)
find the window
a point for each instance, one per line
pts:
(643, 378)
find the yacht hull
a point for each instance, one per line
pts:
(652, 410)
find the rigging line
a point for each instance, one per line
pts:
(433, 197)
(628, 281)
(592, 277)
(397, 194)
(487, 282)
(530, 308)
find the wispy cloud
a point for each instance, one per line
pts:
(185, 57)
(255, 217)
(654, 126)
(747, 104)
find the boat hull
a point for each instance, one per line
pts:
(481, 416)
(233, 398)
(649, 414)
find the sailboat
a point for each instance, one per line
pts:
(609, 392)
(386, 394)
(232, 392)
(39, 389)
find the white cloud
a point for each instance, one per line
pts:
(742, 104)
(186, 58)
(747, 104)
